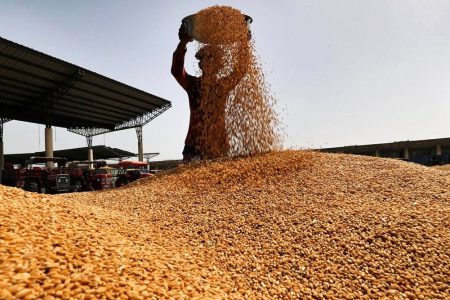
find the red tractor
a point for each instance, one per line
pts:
(90, 175)
(36, 177)
(129, 171)
(102, 178)
(11, 176)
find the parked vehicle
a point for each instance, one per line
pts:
(90, 175)
(11, 176)
(36, 177)
(129, 171)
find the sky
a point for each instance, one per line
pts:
(345, 72)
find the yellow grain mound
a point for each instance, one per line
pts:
(291, 224)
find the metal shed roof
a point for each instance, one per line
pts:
(38, 88)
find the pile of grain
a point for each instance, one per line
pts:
(289, 224)
(443, 167)
(238, 106)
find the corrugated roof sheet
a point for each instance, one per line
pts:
(38, 88)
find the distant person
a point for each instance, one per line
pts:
(212, 60)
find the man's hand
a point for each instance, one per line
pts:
(183, 35)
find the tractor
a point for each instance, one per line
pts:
(129, 171)
(90, 175)
(36, 177)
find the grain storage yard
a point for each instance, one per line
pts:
(291, 224)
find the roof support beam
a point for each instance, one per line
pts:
(144, 119)
(88, 131)
(133, 123)
(149, 155)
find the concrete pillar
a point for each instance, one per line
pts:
(140, 143)
(438, 149)
(91, 157)
(90, 154)
(406, 153)
(140, 151)
(49, 144)
(90, 151)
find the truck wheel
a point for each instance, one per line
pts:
(31, 186)
(121, 181)
(76, 186)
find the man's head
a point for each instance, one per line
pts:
(211, 59)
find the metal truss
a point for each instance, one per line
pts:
(132, 123)
(148, 156)
(144, 119)
(88, 131)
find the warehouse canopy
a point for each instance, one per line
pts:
(75, 154)
(38, 88)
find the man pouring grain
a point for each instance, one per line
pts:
(207, 135)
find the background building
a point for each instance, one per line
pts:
(425, 152)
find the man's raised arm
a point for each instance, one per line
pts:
(177, 69)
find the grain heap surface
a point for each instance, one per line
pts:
(239, 115)
(443, 167)
(291, 224)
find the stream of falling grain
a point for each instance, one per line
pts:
(239, 108)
